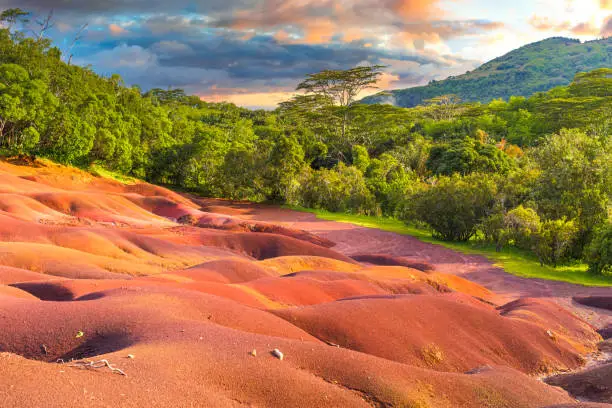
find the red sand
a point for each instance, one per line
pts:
(118, 276)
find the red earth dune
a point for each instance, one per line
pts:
(131, 295)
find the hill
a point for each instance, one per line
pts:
(536, 67)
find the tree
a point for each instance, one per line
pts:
(598, 254)
(361, 158)
(444, 107)
(553, 241)
(25, 106)
(342, 87)
(455, 206)
(342, 189)
(467, 156)
(285, 162)
(575, 180)
(12, 16)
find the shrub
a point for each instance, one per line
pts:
(598, 254)
(342, 189)
(553, 241)
(455, 206)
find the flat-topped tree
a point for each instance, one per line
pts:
(341, 87)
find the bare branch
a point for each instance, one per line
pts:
(45, 25)
(77, 37)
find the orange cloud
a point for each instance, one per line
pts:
(545, 24)
(116, 30)
(386, 79)
(419, 9)
(319, 32)
(321, 20)
(585, 28)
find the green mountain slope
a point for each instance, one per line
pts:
(533, 68)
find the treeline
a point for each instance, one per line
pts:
(530, 172)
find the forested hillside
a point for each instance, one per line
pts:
(533, 68)
(530, 172)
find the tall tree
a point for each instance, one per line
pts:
(342, 87)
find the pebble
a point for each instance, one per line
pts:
(278, 354)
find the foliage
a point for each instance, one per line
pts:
(468, 156)
(574, 181)
(553, 240)
(339, 189)
(598, 254)
(455, 206)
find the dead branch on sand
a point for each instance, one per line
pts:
(92, 365)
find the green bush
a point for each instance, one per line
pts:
(598, 254)
(455, 206)
(342, 189)
(554, 240)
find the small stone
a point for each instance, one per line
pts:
(130, 356)
(278, 354)
(253, 353)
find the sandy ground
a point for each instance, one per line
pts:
(115, 295)
(353, 240)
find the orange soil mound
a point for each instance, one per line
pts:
(14, 292)
(10, 275)
(593, 384)
(450, 332)
(559, 322)
(288, 264)
(223, 271)
(314, 287)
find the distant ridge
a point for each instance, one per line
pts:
(535, 67)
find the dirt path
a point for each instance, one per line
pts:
(354, 240)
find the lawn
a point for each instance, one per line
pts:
(512, 260)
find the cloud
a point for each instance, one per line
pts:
(585, 28)
(250, 50)
(116, 29)
(606, 28)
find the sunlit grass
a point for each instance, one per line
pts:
(100, 171)
(512, 260)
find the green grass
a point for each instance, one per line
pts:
(99, 171)
(512, 260)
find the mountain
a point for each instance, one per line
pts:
(532, 68)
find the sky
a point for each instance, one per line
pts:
(254, 52)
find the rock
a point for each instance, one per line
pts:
(278, 354)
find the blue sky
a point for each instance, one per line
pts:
(254, 52)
